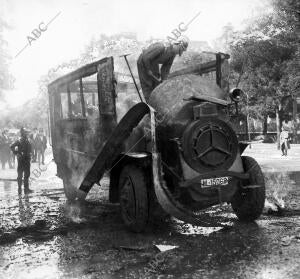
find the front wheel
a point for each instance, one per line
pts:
(134, 198)
(248, 203)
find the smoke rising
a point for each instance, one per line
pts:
(278, 186)
(73, 212)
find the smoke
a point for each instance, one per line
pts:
(125, 102)
(278, 186)
(78, 166)
(73, 212)
(269, 206)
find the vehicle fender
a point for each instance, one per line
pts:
(242, 146)
(112, 147)
(164, 197)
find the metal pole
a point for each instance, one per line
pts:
(82, 98)
(69, 101)
(137, 89)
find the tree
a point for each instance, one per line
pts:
(6, 80)
(265, 59)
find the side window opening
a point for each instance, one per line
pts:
(90, 92)
(77, 108)
(79, 99)
(64, 110)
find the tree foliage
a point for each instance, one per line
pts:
(265, 58)
(6, 80)
(265, 61)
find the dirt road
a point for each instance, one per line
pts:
(43, 236)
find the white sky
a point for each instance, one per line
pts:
(80, 20)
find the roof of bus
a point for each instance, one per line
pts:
(81, 72)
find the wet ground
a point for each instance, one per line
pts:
(43, 236)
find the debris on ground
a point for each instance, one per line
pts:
(163, 248)
(273, 208)
(286, 241)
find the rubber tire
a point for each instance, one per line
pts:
(70, 192)
(138, 196)
(248, 204)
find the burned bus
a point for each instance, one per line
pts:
(177, 151)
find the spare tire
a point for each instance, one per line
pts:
(209, 144)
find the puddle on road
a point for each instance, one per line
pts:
(225, 219)
(43, 259)
(22, 210)
(271, 273)
(59, 255)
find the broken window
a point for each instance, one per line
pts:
(79, 99)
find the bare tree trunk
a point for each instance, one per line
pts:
(295, 120)
(278, 128)
(265, 125)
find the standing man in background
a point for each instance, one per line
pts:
(33, 143)
(148, 64)
(5, 153)
(284, 137)
(41, 145)
(22, 148)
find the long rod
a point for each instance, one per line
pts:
(137, 89)
(69, 101)
(82, 98)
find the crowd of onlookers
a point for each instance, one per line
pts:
(37, 139)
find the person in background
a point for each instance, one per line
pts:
(148, 64)
(33, 138)
(22, 148)
(284, 137)
(2, 155)
(12, 139)
(5, 154)
(41, 145)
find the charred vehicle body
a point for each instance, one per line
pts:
(178, 151)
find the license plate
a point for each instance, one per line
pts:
(214, 181)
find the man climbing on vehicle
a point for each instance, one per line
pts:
(148, 63)
(22, 148)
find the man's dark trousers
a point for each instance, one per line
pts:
(23, 168)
